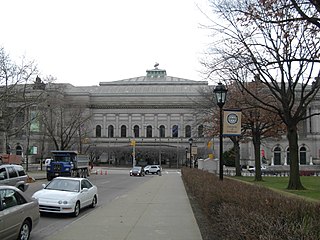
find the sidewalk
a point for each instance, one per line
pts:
(159, 209)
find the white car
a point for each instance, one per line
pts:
(66, 195)
(252, 169)
(152, 169)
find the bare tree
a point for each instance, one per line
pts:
(257, 40)
(257, 124)
(66, 124)
(308, 10)
(15, 87)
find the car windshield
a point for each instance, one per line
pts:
(64, 185)
(136, 168)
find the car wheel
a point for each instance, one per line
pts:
(49, 178)
(25, 230)
(158, 172)
(94, 202)
(76, 210)
(74, 173)
(147, 172)
(21, 187)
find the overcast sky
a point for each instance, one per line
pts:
(85, 42)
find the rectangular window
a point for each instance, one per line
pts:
(34, 122)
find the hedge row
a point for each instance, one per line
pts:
(239, 210)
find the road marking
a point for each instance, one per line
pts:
(105, 182)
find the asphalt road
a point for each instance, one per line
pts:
(111, 186)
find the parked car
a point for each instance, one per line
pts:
(67, 195)
(252, 169)
(137, 171)
(152, 169)
(18, 214)
(13, 175)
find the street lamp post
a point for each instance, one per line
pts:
(186, 157)
(190, 142)
(220, 92)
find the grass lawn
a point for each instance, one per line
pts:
(312, 185)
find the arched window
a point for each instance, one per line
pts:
(110, 131)
(200, 131)
(136, 131)
(175, 131)
(98, 131)
(149, 131)
(188, 131)
(162, 131)
(277, 156)
(18, 150)
(123, 131)
(303, 155)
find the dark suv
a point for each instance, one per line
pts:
(13, 175)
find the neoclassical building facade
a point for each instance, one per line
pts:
(155, 112)
(150, 120)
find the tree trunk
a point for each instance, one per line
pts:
(294, 180)
(256, 144)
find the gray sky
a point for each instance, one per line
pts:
(85, 42)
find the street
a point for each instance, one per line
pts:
(111, 185)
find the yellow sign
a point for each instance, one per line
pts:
(133, 143)
(232, 122)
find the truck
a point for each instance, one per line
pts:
(67, 164)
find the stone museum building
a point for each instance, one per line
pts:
(147, 120)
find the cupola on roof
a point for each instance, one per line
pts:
(156, 72)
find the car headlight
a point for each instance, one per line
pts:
(48, 168)
(63, 202)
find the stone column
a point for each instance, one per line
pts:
(104, 131)
(117, 130)
(130, 127)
